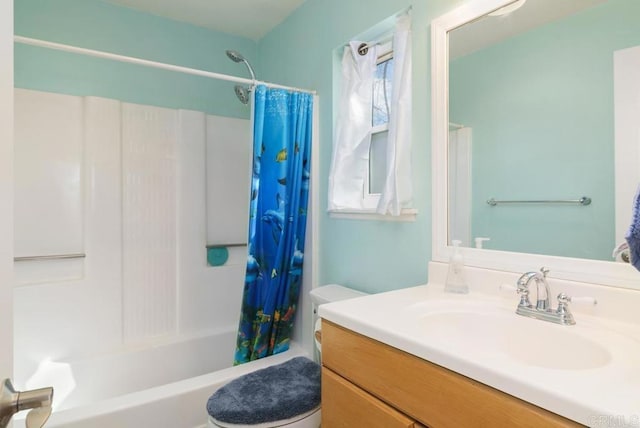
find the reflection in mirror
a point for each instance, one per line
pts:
(541, 108)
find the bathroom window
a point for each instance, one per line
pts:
(375, 92)
(381, 111)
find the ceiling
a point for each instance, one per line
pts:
(489, 30)
(251, 19)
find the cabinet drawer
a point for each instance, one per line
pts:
(346, 405)
(426, 392)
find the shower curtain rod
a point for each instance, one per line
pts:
(147, 63)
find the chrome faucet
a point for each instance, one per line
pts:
(542, 296)
(12, 401)
(542, 310)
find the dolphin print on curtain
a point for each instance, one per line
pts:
(277, 221)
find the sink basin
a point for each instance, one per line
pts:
(557, 347)
(473, 327)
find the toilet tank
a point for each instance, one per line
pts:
(332, 293)
(327, 294)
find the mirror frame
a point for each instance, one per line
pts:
(583, 270)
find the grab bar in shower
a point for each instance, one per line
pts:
(50, 257)
(585, 200)
(240, 244)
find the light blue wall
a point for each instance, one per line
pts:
(561, 75)
(367, 255)
(99, 25)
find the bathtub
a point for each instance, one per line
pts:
(165, 385)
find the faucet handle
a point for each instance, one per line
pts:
(544, 271)
(563, 306)
(563, 309)
(12, 401)
(564, 299)
(585, 300)
(38, 402)
(37, 417)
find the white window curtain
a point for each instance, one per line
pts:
(397, 192)
(350, 161)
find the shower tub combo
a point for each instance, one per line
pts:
(145, 371)
(163, 386)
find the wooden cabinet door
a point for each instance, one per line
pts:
(346, 405)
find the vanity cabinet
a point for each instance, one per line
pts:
(368, 383)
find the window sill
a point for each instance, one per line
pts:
(407, 215)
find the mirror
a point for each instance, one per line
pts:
(530, 115)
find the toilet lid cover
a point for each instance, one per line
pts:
(279, 392)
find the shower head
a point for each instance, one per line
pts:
(235, 56)
(242, 92)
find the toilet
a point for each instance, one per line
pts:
(244, 403)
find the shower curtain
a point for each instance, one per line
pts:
(277, 221)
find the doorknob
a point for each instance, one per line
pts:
(12, 401)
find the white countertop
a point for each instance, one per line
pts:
(606, 395)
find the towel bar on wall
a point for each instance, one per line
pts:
(585, 200)
(50, 257)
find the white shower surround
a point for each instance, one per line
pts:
(132, 291)
(80, 321)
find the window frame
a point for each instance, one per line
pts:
(370, 200)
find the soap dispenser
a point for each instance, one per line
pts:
(456, 281)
